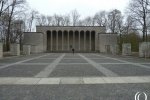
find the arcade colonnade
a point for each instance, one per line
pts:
(66, 40)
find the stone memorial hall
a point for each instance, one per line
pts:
(64, 38)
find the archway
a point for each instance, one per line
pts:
(87, 41)
(60, 40)
(48, 40)
(76, 44)
(71, 39)
(54, 40)
(82, 40)
(66, 41)
(93, 40)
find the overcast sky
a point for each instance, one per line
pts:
(84, 7)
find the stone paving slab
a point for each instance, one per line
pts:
(73, 92)
(94, 57)
(127, 70)
(40, 61)
(138, 60)
(48, 70)
(7, 80)
(49, 81)
(28, 81)
(73, 80)
(147, 65)
(49, 57)
(10, 60)
(75, 70)
(14, 59)
(73, 61)
(106, 61)
(99, 67)
(21, 70)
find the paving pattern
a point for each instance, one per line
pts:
(82, 76)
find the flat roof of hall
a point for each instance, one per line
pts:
(70, 26)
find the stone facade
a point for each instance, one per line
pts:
(1, 50)
(26, 49)
(108, 43)
(64, 38)
(68, 36)
(15, 49)
(126, 49)
(35, 49)
(144, 49)
(35, 40)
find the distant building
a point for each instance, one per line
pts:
(64, 38)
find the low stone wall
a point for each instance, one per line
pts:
(34, 39)
(35, 49)
(1, 50)
(126, 49)
(108, 43)
(15, 49)
(144, 49)
(115, 49)
(26, 49)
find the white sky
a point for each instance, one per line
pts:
(84, 7)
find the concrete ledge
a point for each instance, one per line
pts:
(73, 80)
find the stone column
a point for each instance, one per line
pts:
(15, 49)
(26, 49)
(68, 41)
(57, 41)
(62, 41)
(1, 50)
(51, 41)
(79, 41)
(90, 41)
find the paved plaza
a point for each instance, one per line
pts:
(82, 76)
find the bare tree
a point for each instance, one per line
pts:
(41, 20)
(57, 19)
(11, 10)
(32, 16)
(129, 25)
(115, 21)
(139, 10)
(88, 21)
(49, 20)
(65, 20)
(75, 17)
(101, 18)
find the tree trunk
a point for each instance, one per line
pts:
(9, 27)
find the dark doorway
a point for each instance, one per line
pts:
(48, 40)
(93, 40)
